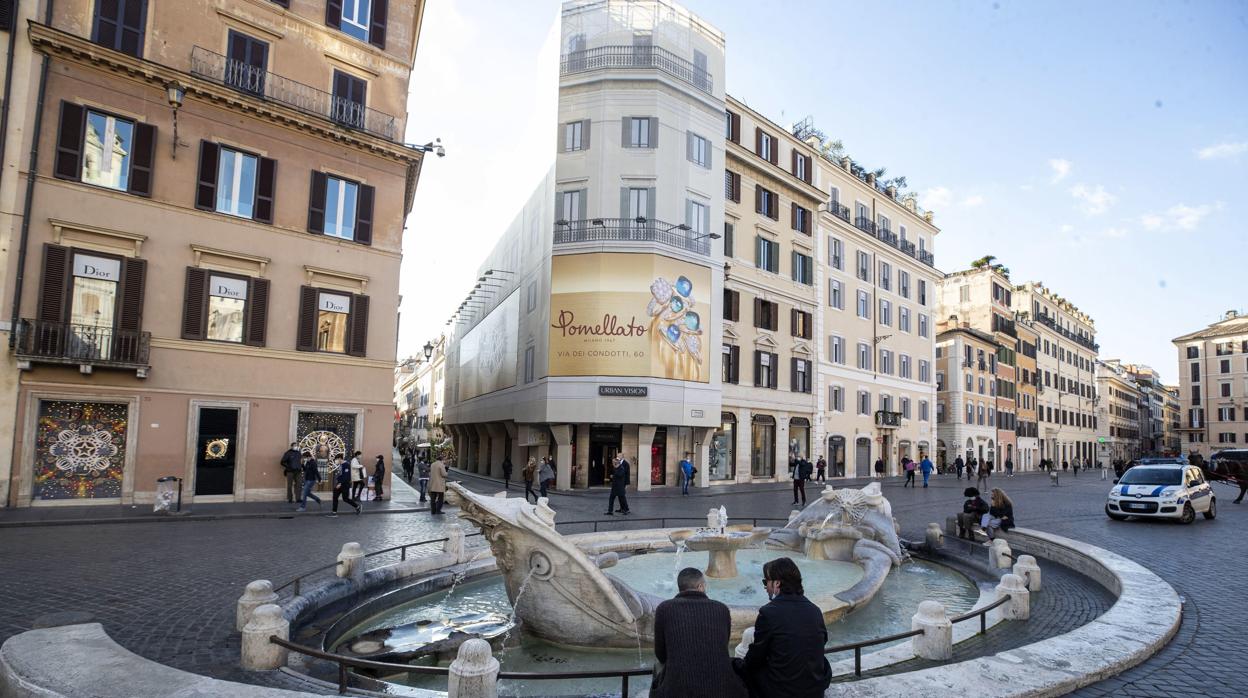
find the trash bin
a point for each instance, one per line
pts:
(168, 495)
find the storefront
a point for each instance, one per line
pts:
(762, 446)
(836, 456)
(723, 456)
(799, 438)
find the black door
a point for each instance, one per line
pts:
(604, 445)
(246, 64)
(215, 451)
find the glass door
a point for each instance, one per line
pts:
(216, 448)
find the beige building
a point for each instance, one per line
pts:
(1118, 413)
(964, 374)
(1171, 421)
(216, 214)
(1027, 430)
(1066, 366)
(1213, 385)
(420, 384)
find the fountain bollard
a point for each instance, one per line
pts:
(258, 653)
(936, 642)
(935, 537)
(747, 639)
(1019, 607)
(474, 673)
(257, 594)
(951, 526)
(1000, 555)
(350, 562)
(454, 544)
(1027, 569)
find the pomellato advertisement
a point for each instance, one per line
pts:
(619, 314)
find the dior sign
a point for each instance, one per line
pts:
(334, 303)
(225, 287)
(97, 268)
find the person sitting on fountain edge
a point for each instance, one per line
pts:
(786, 657)
(690, 633)
(972, 510)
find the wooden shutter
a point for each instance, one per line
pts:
(561, 138)
(793, 320)
(758, 141)
(650, 203)
(206, 191)
(316, 204)
(758, 312)
(736, 187)
(736, 306)
(364, 215)
(377, 24)
(133, 279)
(774, 314)
(6, 15)
(305, 338)
(257, 311)
(734, 356)
(69, 141)
(793, 385)
(333, 13)
(758, 199)
(585, 126)
(266, 190)
(195, 304)
(654, 132)
(793, 215)
(793, 161)
(736, 127)
(357, 326)
(758, 368)
(142, 158)
(775, 149)
(775, 370)
(54, 283)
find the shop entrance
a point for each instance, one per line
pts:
(216, 448)
(658, 457)
(605, 442)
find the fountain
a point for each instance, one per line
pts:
(721, 541)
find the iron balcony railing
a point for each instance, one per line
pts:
(66, 343)
(629, 230)
(865, 224)
(887, 236)
(927, 258)
(262, 84)
(839, 210)
(634, 57)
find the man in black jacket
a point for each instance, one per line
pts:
(786, 657)
(292, 467)
(691, 633)
(619, 481)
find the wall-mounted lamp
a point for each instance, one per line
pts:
(435, 147)
(428, 349)
(176, 94)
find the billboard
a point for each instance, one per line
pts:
(620, 314)
(487, 354)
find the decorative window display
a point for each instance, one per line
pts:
(328, 436)
(80, 450)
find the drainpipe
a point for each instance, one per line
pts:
(31, 176)
(8, 84)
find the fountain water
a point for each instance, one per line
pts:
(721, 541)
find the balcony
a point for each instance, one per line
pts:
(908, 248)
(1005, 325)
(927, 258)
(839, 211)
(631, 230)
(629, 57)
(85, 346)
(887, 236)
(267, 86)
(865, 224)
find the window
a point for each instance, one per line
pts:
(903, 366)
(641, 132)
(886, 276)
(332, 321)
(1225, 389)
(886, 312)
(981, 385)
(864, 402)
(766, 314)
(767, 203)
(528, 364)
(698, 218)
(766, 367)
(763, 446)
(732, 186)
(1193, 352)
(85, 136)
(570, 205)
(864, 356)
(732, 305)
(886, 362)
(576, 135)
(836, 294)
(236, 183)
(731, 360)
(836, 253)
(341, 198)
(992, 417)
(765, 146)
(801, 166)
(532, 297)
(767, 254)
(940, 380)
(923, 411)
(1225, 366)
(698, 150)
(803, 268)
(637, 202)
(120, 25)
(905, 407)
(801, 322)
(246, 62)
(922, 325)
(979, 415)
(922, 292)
(903, 319)
(970, 413)
(332, 313)
(1195, 372)
(366, 21)
(925, 371)
(885, 224)
(728, 240)
(801, 219)
(348, 100)
(836, 349)
(799, 379)
(864, 305)
(864, 266)
(732, 126)
(836, 398)
(964, 294)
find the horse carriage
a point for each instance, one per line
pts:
(1229, 466)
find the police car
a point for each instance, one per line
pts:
(1167, 491)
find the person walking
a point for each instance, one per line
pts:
(690, 634)
(422, 478)
(879, 467)
(292, 467)
(1074, 466)
(311, 476)
(821, 467)
(507, 472)
(546, 476)
(529, 472)
(801, 473)
(409, 466)
(786, 657)
(619, 483)
(358, 477)
(379, 473)
(437, 487)
(908, 466)
(1009, 467)
(342, 488)
(686, 474)
(958, 464)
(926, 466)
(982, 471)
(1065, 466)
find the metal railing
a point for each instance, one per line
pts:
(633, 57)
(887, 236)
(296, 582)
(663, 521)
(63, 342)
(865, 224)
(628, 230)
(262, 84)
(927, 258)
(839, 210)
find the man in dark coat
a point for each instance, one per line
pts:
(691, 636)
(292, 467)
(619, 481)
(786, 657)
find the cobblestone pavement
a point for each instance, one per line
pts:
(167, 590)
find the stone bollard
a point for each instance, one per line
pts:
(951, 526)
(935, 537)
(350, 562)
(474, 673)
(258, 653)
(454, 544)
(257, 594)
(999, 554)
(1027, 569)
(1019, 607)
(936, 642)
(747, 639)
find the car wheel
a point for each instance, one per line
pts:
(1112, 515)
(1213, 509)
(1189, 514)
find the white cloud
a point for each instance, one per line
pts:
(1118, 233)
(1222, 151)
(1061, 168)
(936, 197)
(1180, 217)
(1093, 200)
(1066, 228)
(972, 201)
(1151, 221)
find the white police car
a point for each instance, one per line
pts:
(1168, 491)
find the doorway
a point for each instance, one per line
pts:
(658, 457)
(216, 450)
(862, 457)
(604, 445)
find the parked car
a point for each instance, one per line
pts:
(1162, 490)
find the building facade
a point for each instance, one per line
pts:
(965, 372)
(1028, 379)
(1118, 413)
(1213, 386)
(218, 199)
(1066, 365)
(1171, 421)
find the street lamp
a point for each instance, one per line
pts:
(175, 92)
(435, 147)
(428, 349)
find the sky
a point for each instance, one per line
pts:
(1101, 148)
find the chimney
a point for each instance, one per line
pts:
(892, 192)
(871, 178)
(1231, 315)
(845, 163)
(813, 141)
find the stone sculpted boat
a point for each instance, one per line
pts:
(441, 638)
